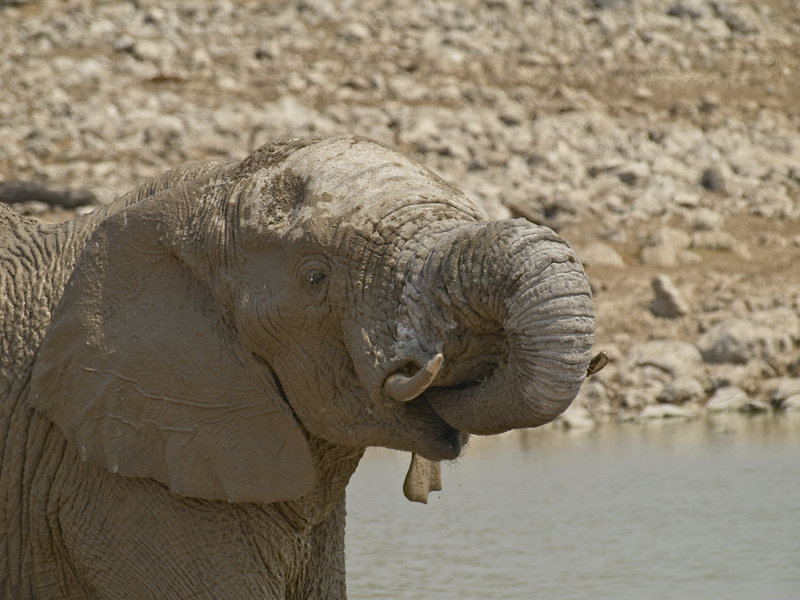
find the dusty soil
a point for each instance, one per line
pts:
(661, 138)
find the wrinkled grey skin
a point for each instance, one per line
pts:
(189, 376)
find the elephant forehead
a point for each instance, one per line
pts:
(345, 184)
(362, 182)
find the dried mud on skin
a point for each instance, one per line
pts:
(661, 138)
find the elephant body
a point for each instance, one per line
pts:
(55, 507)
(74, 531)
(190, 375)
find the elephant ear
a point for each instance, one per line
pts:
(144, 376)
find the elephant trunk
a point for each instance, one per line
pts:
(520, 287)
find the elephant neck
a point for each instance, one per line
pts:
(334, 465)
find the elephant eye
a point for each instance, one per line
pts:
(314, 278)
(313, 272)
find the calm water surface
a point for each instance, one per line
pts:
(701, 509)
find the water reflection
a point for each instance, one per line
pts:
(700, 509)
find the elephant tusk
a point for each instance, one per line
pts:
(404, 389)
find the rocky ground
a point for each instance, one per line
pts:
(661, 137)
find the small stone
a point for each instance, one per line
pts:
(355, 32)
(692, 9)
(644, 393)
(512, 113)
(495, 210)
(671, 358)
(686, 199)
(604, 166)
(739, 19)
(664, 411)
(742, 375)
(421, 134)
(668, 302)
(599, 254)
(149, 50)
(267, 51)
(705, 219)
(655, 199)
(668, 247)
(791, 403)
(575, 417)
(634, 174)
(709, 103)
(787, 388)
(715, 29)
(31, 208)
(605, 3)
(719, 241)
(742, 340)
(201, 59)
(713, 180)
(734, 399)
(682, 390)
(593, 396)
(124, 43)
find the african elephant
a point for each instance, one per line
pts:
(190, 375)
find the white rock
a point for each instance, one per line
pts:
(423, 134)
(742, 340)
(744, 376)
(719, 241)
(693, 9)
(705, 219)
(716, 29)
(656, 198)
(634, 173)
(668, 302)
(686, 199)
(740, 19)
(495, 210)
(787, 388)
(511, 113)
(791, 403)
(599, 254)
(124, 43)
(593, 396)
(665, 411)
(734, 399)
(672, 358)
(682, 390)
(575, 417)
(644, 392)
(355, 32)
(668, 247)
(152, 50)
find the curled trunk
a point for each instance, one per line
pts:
(522, 285)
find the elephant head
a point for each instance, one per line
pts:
(320, 288)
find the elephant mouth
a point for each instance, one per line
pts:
(420, 386)
(439, 440)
